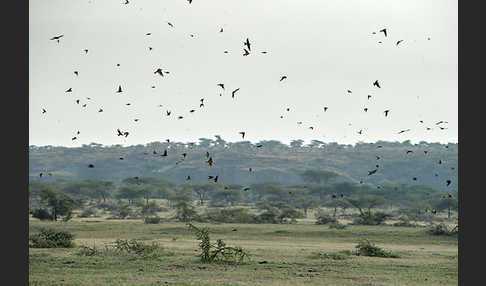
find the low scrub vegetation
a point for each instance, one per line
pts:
(367, 248)
(50, 238)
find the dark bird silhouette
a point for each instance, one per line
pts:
(409, 151)
(221, 85)
(234, 229)
(207, 154)
(126, 2)
(136, 119)
(234, 92)
(333, 196)
(43, 111)
(76, 73)
(210, 177)
(184, 155)
(170, 24)
(415, 178)
(360, 132)
(377, 157)
(221, 31)
(247, 43)
(379, 146)
(448, 182)
(119, 132)
(369, 96)
(101, 110)
(264, 52)
(399, 42)
(210, 162)
(325, 108)
(342, 195)
(246, 189)
(311, 128)
(86, 51)
(249, 169)
(164, 154)
(154, 152)
(125, 134)
(386, 112)
(377, 84)
(349, 91)
(127, 104)
(216, 179)
(69, 90)
(377, 166)
(425, 152)
(225, 52)
(90, 166)
(245, 52)
(259, 145)
(168, 112)
(300, 122)
(366, 109)
(77, 101)
(180, 117)
(440, 162)
(159, 71)
(372, 172)
(119, 89)
(188, 178)
(242, 134)
(403, 131)
(283, 77)
(56, 38)
(40, 175)
(384, 32)
(421, 121)
(192, 111)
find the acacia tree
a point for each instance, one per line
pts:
(365, 202)
(448, 204)
(59, 204)
(204, 190)
(305, 203)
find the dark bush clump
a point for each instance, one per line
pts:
(88, 213)
(325, 219)
(371, 219)
(152, 220)
(367, 248)
(42, 214)
(50, 238)
(442, 229)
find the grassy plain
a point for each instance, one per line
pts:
(295, 255)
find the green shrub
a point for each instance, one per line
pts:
(367, 248)
(442, 229)
(371, 219)
(337, 225)
(88, 213)
(219, 252)
(135, 247)
(50, 238)
(323, 218)
(151, 220)
(42, 214)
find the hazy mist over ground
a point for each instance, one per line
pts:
(323, 47)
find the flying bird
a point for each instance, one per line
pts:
(170, 24)
(119, 132)
(349, 91)
(180, 117)
(76, 73)
(448, 182)
(386, 112)
(221, 31)
(221, 85)
(164, 154)
(74, 138)
(377, 84)
(101, 110)
(325, 108)
(188, 178)
(69, 90)
(86, 51)
(159, 71)
(57, 38)
(242, 134)
(399, 42)
(403, 131)
(234, 92)
(372, 172)
(366, 109)
(192, 111)
(210, 162)
(207, 154)
(90, 166)
(246, 189)
(168, 112)
(384, 32)
(119, 89)
(247, 43)
(369, 96)
(283, 77)
(245, 52)
(409, 151)
(43, 111)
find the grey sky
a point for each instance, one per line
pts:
(324, 47)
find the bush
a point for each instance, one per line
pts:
(323, 218)
(152, 220)
(337, 225)
(218, 252)
(367, 248)
(371, 219)
(230, 216)
(50, 238)
(88, 213)
(42, 214)
(135, 247)
(442, 229)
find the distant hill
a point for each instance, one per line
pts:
(273, 161)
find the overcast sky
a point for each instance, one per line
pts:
(324, 48)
